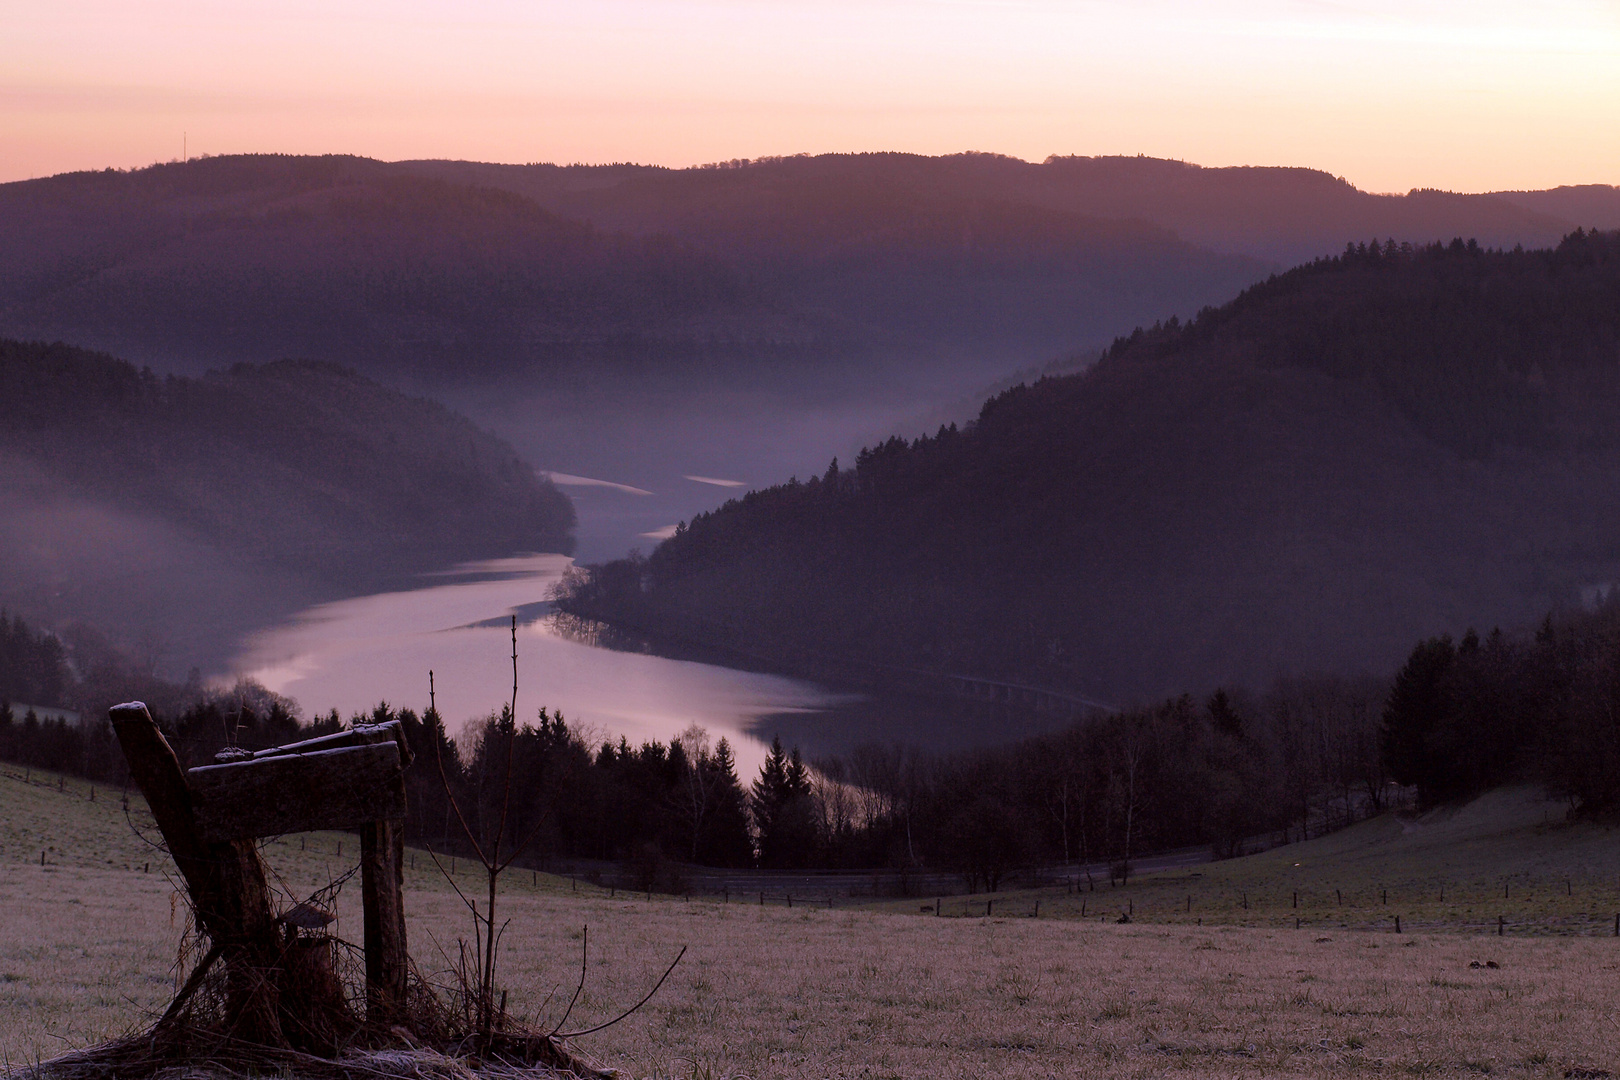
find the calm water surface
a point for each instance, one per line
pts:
(353, 653)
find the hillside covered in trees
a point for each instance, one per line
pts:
(451, 279)
(639, 324)
(822, 202)
(1367, 450)
(457, 272)
(296, 463)
(125, 495)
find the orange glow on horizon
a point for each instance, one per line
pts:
(1466, 96)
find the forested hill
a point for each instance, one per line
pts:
(302, 466)
(1350, 456)
(464, 272)
(837, 203)
(453, 280)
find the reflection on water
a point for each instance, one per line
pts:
(353, 653)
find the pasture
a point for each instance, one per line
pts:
(1507, 860)
(88, 943)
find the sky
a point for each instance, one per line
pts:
(1468, 96)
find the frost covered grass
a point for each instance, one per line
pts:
(86, 948)
(1510, 855)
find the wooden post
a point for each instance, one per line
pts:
(382, 882)
(225, 879)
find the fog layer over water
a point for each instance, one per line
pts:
(353, 653)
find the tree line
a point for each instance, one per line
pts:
(1307, 756)
(1465, 716)
(1304, 758)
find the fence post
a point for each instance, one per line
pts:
(382, 883)
(226, 880)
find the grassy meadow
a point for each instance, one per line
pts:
(1509, 855)
(88, 944)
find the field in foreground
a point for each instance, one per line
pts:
(88, 939)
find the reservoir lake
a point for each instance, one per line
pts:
(351, 654)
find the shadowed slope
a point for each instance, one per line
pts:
(1349, 457)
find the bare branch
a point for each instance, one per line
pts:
(438, 754)
(435, 857)
(584, 952)
(633, 1008)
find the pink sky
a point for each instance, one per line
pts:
(1392, 95)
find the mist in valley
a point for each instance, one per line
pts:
(757, 540)
(491, 360)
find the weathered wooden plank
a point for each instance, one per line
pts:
(339, 788)
(226, 880)
(359, 735)
(382, 883)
